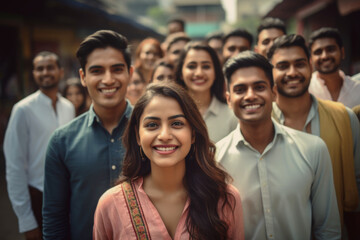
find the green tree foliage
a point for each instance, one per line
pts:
(158, 15)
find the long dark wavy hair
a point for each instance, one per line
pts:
(218, 87)
(205, 182)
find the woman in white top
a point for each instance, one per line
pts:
(199, 71)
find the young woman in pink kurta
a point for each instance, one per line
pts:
(181, 192)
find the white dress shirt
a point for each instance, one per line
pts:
(30, 126)
(349, 93)
(220, 120)
(287, 191)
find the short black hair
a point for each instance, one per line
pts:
(271, 22)
(326, 32)
(164, 63)
(46, 54)
(103, 39)
(239, 32)
(286, 41)
(176, 37)
(248, 59)
(214, 35)
(177, 20)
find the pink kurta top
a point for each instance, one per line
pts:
(112, 219)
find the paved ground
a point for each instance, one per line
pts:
(8, 220)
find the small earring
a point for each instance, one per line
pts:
(141, 154)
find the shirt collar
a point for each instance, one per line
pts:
(93, 117)
(214, 107)
(311, 115)
(239, 138)
(278, 113)
(313, 109)
(316, 76)
(43, 97)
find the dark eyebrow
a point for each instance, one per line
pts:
(152, 118)
(118, 65)
(95, 66)
(177, 116)
(282, 62)
(194, 62)
(115, 65)
(171, 117)
(254, 83)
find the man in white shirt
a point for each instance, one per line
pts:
(284, 176)
(328, 81)
(32, 121)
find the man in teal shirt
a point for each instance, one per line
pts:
(84, 157)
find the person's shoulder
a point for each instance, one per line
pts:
(73, 127)
(112, 200)
(227, 139)
(27, 101)
(336, 109)
(233, 190)
(353, 80)
(224, 142)
(112, 195)
(65, 102)
(306, 140)
(223, 145)
(113, 191)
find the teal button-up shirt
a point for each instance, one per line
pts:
(83, 160)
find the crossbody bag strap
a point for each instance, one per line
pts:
(135, 211)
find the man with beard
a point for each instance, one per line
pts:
(31, 124)
(337, 125)
(328, 81)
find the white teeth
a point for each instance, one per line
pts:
(108, 90)
(293, 81)
(252, 106)
(199, 80)
(165, 148)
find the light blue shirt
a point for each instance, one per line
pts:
(31, 124)
(314, 120)
(220, 120)
(287, 192)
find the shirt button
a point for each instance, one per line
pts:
(113, 167)
(270, 235)
(268, 210)
(112, 140)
